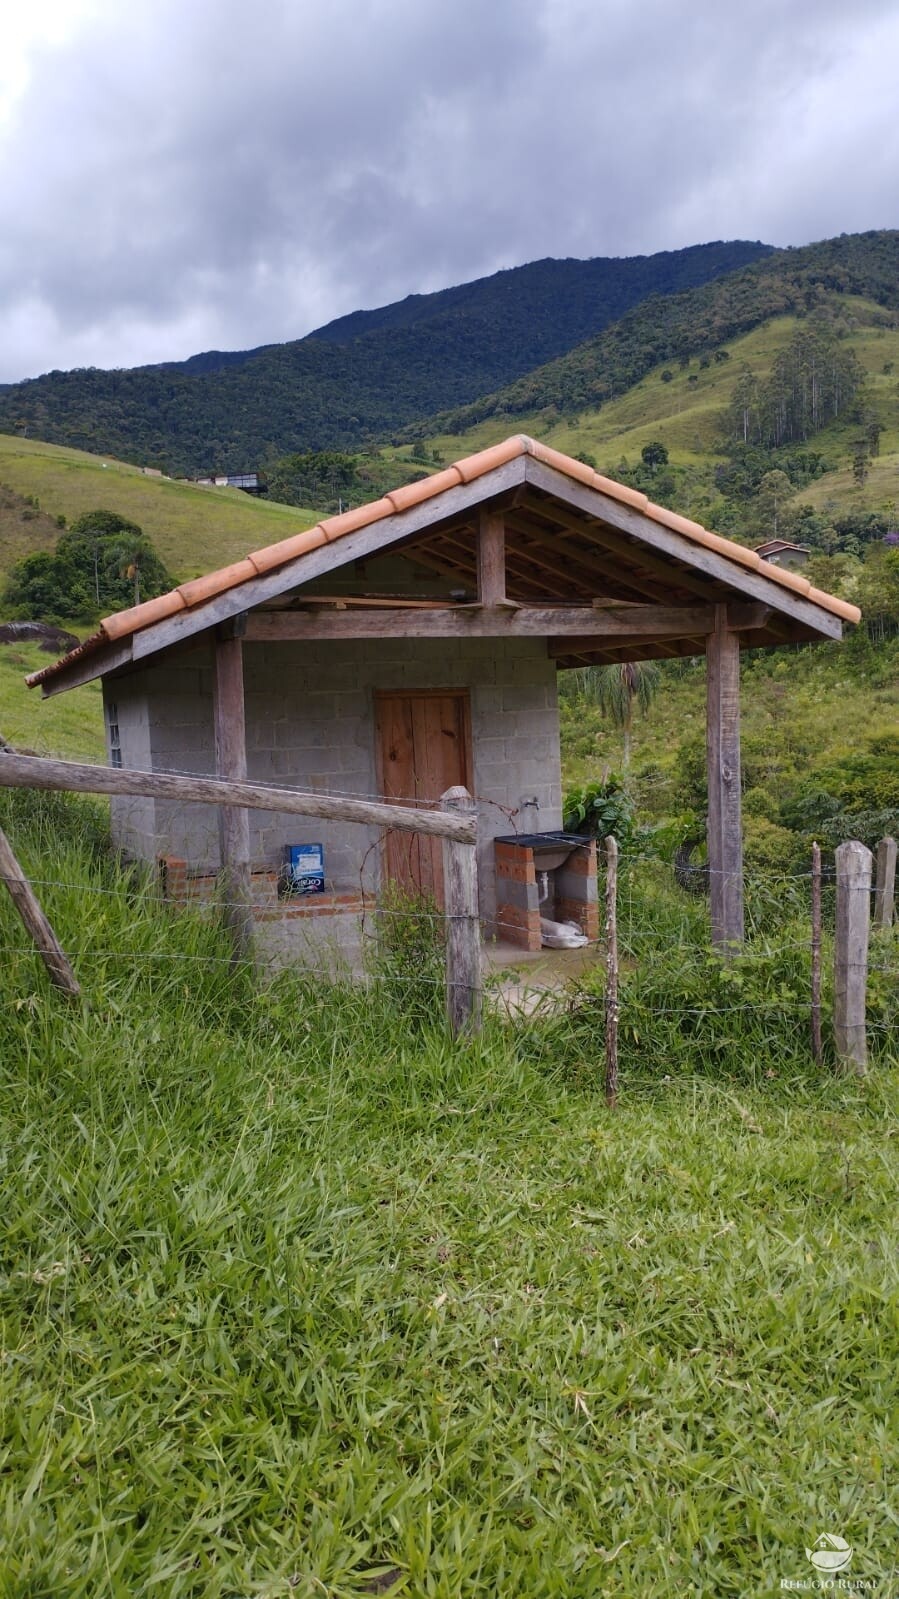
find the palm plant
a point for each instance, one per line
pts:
(617, 690)
(132, 558)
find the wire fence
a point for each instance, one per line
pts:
(644, 880)
(654, 933)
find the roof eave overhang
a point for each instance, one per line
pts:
(728, 563)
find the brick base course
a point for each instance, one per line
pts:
(181, 886)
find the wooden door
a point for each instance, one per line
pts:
(423, 749)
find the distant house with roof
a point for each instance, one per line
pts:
(248, 481)
(780, 552)
(414, 644)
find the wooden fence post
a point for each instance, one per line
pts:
(854, 863)
(463, 934)
(885, 883)
(23, 897)
(724, 828)
(231, 763)
(817, 1051)
(611, 1005)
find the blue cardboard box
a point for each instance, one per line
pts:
(304, 869)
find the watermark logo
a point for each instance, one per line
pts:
(830, 1555)
(829, 1552)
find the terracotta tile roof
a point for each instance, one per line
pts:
(194, 593)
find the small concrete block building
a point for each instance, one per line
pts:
(413, 645)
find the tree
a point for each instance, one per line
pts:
(861, 461)
(102, 562)
(812, 381)
(745, 405)
(134, 559)
(654, 454)
(617, 690)
(873, 431)
(773, 490)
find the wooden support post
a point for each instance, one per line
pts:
(885, 883)
(725, 834)
(463, 935)
(36, 924)
(611, 1001)
(817, 1051)
(492, 558)
(854, 863)
(231, 763)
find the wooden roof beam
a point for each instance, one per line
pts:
(620, 626)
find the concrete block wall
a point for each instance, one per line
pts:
(133, 820)
(310, 714)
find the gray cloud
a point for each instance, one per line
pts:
(218, 174)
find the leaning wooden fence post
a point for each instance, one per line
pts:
(817, 1051)
(885, 883)
(36, 924)
(854, 863)
(463, 936)
(611, 1006)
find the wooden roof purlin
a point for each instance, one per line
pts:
(538, 544)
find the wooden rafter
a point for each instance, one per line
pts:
(601, 578)
(636, 555)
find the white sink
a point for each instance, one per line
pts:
(547, 857)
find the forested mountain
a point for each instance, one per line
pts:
(510, 345)
(695, 322)
(361, 378)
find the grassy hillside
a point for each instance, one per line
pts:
(687, 412)
(24, 527)
(69, 725)
(193, 527)
(685, 415)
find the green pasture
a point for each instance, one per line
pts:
(69, 725)
(194, 528)
(298, 1297)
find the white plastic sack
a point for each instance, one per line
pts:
(561, 935)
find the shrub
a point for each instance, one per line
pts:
(598, 809)
(102, 562)
(758, 802)
(771, 848)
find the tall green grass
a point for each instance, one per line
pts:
(296, 1298)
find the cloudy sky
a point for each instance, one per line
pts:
(180, 175)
